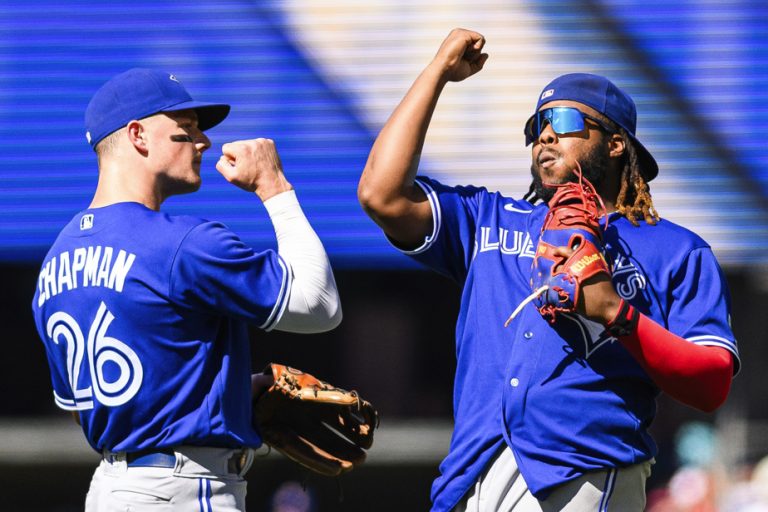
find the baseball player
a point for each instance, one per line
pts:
(555, 416)
(144, 315)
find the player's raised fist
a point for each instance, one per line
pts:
(253, 165)
(461, 54)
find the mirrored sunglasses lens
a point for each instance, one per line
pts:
(566, 120)
(563, 120)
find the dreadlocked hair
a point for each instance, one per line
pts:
(634, 198)
(531, 196)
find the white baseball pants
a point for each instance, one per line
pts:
(501, 488)
(194, 479)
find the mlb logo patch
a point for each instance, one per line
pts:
(547, 93)
(86, 221)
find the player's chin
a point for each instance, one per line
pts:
(188, 186)
(194, 186)
(195, 179)
(550, 175)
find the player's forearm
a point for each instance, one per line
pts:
(313, 302)
(387, 191)
(696, 375)
(393, 162)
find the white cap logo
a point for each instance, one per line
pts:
(547, 93)
(173, 77)
(88, 136)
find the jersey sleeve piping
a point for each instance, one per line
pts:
(281, 302)
(717, 341)
(282, 299)
(71, 405)
(434, 204)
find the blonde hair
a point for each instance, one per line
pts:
(634, 198)
(108, 144)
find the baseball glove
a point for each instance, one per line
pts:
(573, 221)
(322, 427)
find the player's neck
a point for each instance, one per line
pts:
(610, 204)
(118, 186)
(608, 190)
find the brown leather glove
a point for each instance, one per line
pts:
(322, 427)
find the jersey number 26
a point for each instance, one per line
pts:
(124, 374)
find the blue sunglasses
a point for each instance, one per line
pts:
(562, 119)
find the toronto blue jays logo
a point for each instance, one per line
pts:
(592, 333)
(629, 282)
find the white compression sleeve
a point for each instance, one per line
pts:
(313, 302)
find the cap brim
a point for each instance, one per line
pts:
(208, 114)
(648, 166)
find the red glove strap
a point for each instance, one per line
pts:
(696, 375)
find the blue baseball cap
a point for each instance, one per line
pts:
(602, 95)
(139, 93)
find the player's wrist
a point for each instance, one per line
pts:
(270, 190)
(598, 300)
(624, 321)
(279, 196)
(437, 72)
(611, 311)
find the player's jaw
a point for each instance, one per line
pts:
(180, 181)
(183, 151)
(552, 167)
(549, 167)
(180, 172)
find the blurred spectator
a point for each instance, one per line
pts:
(750, 495)
(691, 489)
(702, 485)
(696, 444)
(292, 497)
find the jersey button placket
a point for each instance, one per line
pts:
(514, 381)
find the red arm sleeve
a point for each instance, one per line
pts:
(696, 375)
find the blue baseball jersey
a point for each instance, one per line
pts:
(567, 398)
(145, 316)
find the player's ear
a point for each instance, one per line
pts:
(137, 135)
(617, 146)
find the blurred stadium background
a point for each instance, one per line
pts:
(320, 77)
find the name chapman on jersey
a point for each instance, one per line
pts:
(86, 266)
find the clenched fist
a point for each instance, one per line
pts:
(460, 55)
(253, 165)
